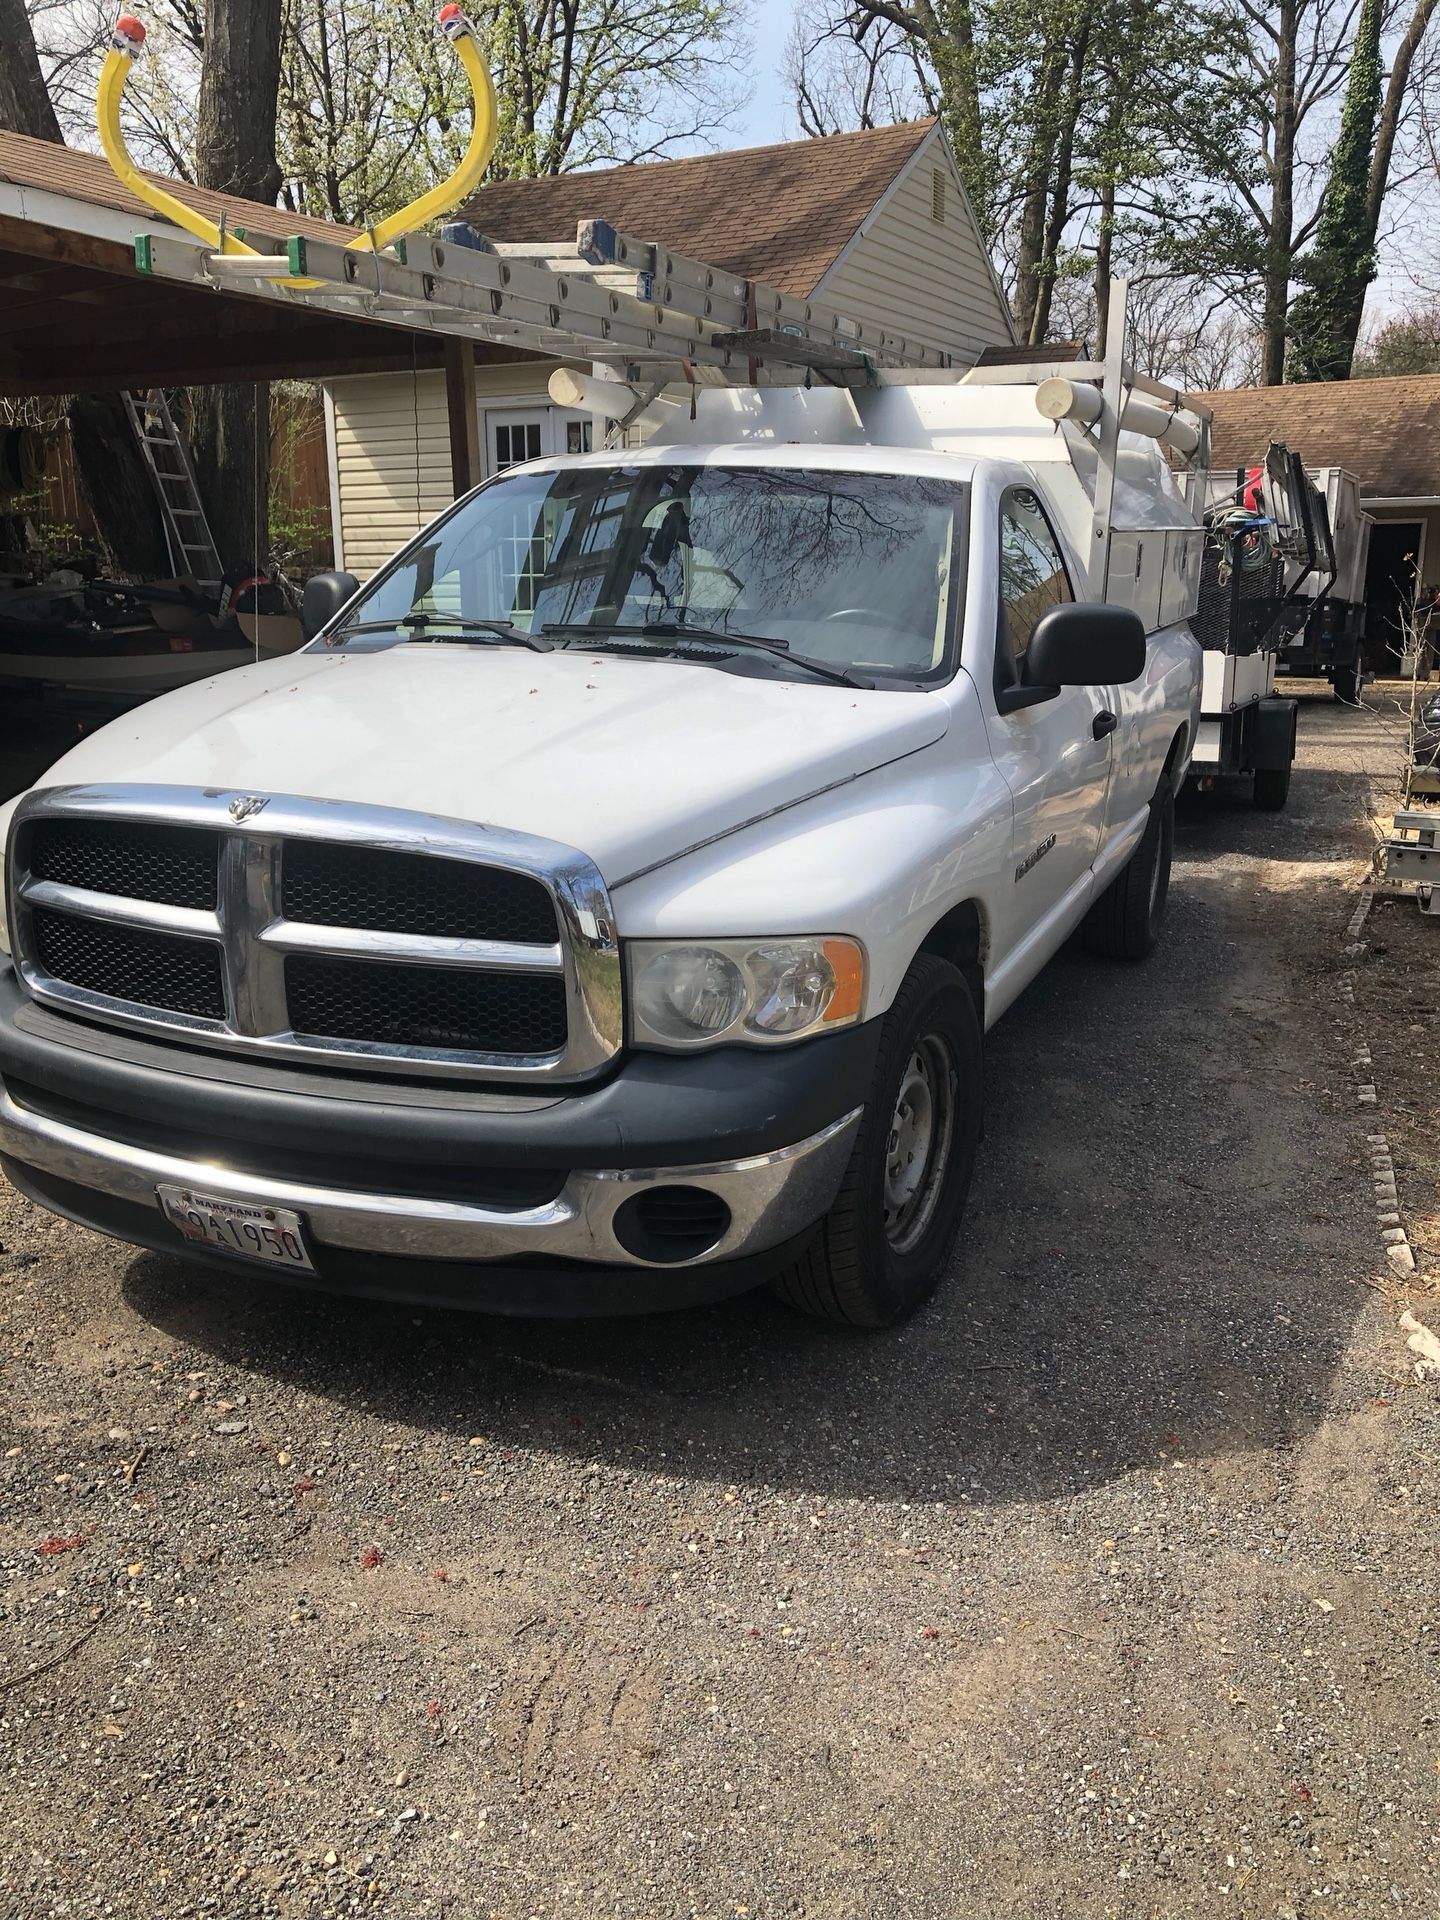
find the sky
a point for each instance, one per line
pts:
(769, 115)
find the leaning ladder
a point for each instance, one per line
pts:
(187, 530)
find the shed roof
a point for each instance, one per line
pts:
(1385, 432)
(782, 214)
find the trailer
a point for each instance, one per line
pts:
(1268, 540)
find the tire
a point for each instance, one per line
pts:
(878, 1254)
(1347, 684)
(1272, 788)
(1125, 921)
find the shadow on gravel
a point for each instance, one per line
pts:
(1161, 1253)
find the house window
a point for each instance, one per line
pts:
(937, 195)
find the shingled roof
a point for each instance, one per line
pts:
(781, 214)
(1385, 432)
(86, 176)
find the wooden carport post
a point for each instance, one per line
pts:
(463, 411)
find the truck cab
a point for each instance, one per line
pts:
(605, 909)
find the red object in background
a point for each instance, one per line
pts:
(132, 28)
(1254, 495)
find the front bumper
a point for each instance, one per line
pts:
(515, 1203)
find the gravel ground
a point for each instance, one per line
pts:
(1106, 1586)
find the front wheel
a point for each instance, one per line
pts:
(882, 1248)
(1124, 922)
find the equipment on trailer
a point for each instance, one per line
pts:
(1330, 643)
(1268, 538)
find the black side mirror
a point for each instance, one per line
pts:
(1086, 644)
(325, 594)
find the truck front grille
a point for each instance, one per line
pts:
(400, 1006)
(347, 886)
(162, 970)
(139, 860)
(297, 928)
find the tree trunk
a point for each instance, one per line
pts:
(24, 103)
(1379, 177)
(1059, 214)
(1039, 165)
(1276, 277)
(235, 153)
(1325, 317)
(1104, 265)
(118, 485)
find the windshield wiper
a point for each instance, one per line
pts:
(451, 624)
(682, 630)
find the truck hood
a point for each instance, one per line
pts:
(632, 761)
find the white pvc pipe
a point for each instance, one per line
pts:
(606, 399)
(1060, 399)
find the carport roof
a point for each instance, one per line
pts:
(76, 316)
(1385, 432)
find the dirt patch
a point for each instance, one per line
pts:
(1105, 1587)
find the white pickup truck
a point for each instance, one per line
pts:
(604, 911)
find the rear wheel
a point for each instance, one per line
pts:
(1272, 787)
(882, 1248)
(1125, 921)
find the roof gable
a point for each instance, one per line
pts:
(1385, 432)
(781, 214)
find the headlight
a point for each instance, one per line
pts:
(698, 994)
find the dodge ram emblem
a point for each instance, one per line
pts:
(246, 804)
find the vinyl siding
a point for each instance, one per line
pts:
(919, 276)
(388, 425)
(392, 459)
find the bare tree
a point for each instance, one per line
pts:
(842, 77)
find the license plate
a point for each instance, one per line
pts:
(274, 1235)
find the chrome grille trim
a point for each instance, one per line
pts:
(255, 937)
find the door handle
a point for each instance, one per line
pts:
(1104, 722)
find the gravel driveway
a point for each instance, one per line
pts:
(1106, 1586)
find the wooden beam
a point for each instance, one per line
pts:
(464, 415)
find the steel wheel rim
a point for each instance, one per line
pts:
(918, 1141)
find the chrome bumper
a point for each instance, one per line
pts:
(772, 1197)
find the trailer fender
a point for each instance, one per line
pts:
(1269, 733)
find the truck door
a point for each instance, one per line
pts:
(1055, 756)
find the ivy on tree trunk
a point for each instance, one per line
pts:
(1325, 317)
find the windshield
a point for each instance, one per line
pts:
(853, 570)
